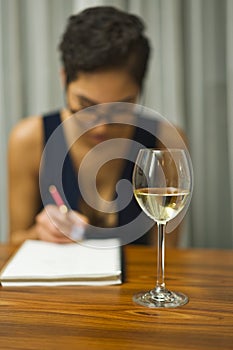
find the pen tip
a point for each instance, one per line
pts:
(52, 188)
(63, 209)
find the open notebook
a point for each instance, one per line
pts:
(48, 264)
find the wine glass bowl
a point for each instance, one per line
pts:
(162, 183)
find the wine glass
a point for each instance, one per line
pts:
(162, 184)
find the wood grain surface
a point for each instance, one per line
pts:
(106, 318)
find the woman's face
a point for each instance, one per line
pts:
(98, 88)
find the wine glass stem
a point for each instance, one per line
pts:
(160, 284)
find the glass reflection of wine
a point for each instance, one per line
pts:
(162, 183)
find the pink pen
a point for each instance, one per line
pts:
(58, 200)
(77, 232)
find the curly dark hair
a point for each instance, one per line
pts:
(101, 38)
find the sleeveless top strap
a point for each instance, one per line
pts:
(55, 150)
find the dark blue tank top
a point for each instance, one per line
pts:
(70, 186)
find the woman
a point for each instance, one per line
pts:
(104, 55)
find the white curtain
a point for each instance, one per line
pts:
(208, 48)
(190, 81)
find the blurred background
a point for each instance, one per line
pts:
(190, 82)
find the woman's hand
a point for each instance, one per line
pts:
(54, 226)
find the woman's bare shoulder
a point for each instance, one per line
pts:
(27, 130)
(26, 140)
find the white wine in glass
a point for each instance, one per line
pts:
(162, 182)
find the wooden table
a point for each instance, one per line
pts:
(106, 318)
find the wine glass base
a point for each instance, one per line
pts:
(160, 299)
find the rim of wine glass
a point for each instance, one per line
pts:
(175, 149)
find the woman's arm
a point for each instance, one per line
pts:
(24, 155)
(24, 152)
